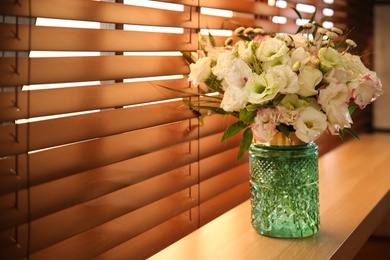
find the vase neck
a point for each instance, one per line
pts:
(280, 139)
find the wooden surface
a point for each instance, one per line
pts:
(354, 198)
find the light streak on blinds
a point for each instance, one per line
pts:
(216, 12)
(279, 19)
(160, 29)
(306, 8)
(154, 4)
(226, 33)
(328, 12)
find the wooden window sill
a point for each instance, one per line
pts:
(354, 198)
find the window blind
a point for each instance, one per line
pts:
(111, 165)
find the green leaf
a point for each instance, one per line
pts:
(214, 83)
(341, 134)
(297, 12)
(233, 129)
(211, 39)
(246, 142)
(313, 16)
(247, 116)
(278, 99)
(187, 56)
(284, 129)
(352, 109)
(353, 133)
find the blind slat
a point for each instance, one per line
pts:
(75, 69)
(78, 39)
(132, 170)
(84, 217)
(99, 11)
(67, 100)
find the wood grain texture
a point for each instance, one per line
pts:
(354, 198)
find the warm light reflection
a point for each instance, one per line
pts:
(281, 4)
(216, 12)
(154, 78)
(154, 4)
(159, 29)
(328, 12)
(305, 8)
(66, 23)
(153, 53)
(327, 24)
(279, 19)
(271, 2)
(226, 33)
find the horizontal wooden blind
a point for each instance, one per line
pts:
(113, 166)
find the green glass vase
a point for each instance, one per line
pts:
(284, 189)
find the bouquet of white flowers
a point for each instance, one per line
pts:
(308, 82)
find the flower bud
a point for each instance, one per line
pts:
(239, 30)
(351, 43)
(337, 30)
(332, 35)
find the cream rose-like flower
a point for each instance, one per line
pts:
(300, 55)
(310, 124)
(234, 99)
(329, 59)
(264, 126)
(288, 79)
(366, 89)
(271, 49)
(354, 63)
(244, 50)
(287, 116)
(200, 71)
(262, 88)
(308, 78)
(339, 75)
(299, 40)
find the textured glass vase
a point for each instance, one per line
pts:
(284, 189)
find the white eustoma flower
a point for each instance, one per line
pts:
(264, 126)
(200, 71)
(271, 49)
(224, 64)
(338, 117)
(366, 89)
(310, 124)
(288, 79)
(329, 59)
(334, 93)
(334, 101)
(239, 73)
(234, 71)
(234, 99)
(308, 78)
(262, 88)
(282, 60)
